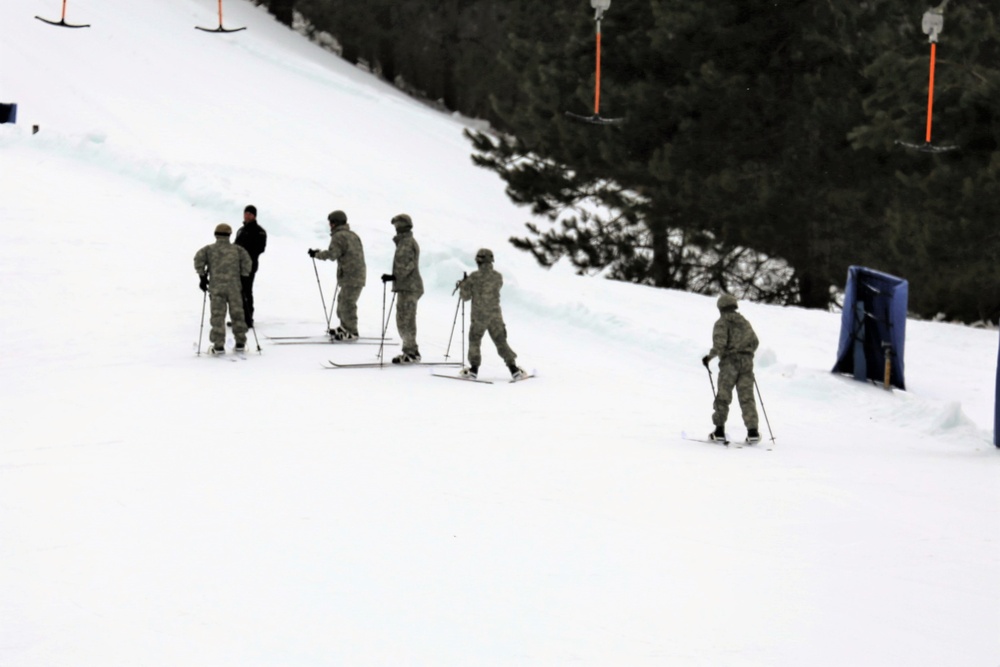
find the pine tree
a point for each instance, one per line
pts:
(940, 219)
(734, 151)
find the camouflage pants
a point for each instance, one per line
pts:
(736, 371)
(223, 297)
(498, 333)
(347, 307)
(406, 320)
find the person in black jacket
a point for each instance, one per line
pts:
(253, 238)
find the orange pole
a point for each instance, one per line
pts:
(930, 93)
(220, 13)
(64, 11)
(597, 83)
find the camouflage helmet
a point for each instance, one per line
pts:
(484, 256)
(726, 301)
(223, 230)
(337, 218)
(403, 221)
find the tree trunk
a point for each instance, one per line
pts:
(282, 10)
(814, 292)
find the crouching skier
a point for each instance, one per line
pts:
(221, 268)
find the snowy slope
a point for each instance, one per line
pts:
(161, 508)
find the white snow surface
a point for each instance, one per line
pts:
(163, 508)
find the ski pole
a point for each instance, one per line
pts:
(384, 323)
(336, 291)
(385, 326)
(762, 409)
(204, 300)
(454, 321)
(321, 297)
(257, 342)
(714, 395)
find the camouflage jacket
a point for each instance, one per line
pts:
(406, 265)
(732, 335)
(347, 251)
(482, 287)
(223, 262)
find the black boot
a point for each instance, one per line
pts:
(718, 434)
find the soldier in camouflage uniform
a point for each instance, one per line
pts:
(225, 265)
(408, 287)
(734, 342)
(482, 287)
(347, 251)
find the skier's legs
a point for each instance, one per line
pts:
(498, 333)
(728, 375)
(406, 320)
(347, 308)
(744, 391)
(217, 318)
(476, 332)
(234, 298)
(248, 299)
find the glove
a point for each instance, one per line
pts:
(705, 360)
(203, 282)
(387, 277)
(312, 252)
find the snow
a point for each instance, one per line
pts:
(163, 508)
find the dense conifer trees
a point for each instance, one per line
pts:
(759, 151)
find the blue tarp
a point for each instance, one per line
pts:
(8, 113)
(872, 325)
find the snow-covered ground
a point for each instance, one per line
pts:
(163, 508)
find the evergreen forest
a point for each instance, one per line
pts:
(761, 147)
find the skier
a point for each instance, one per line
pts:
(734, 342)
(482, 287)
(252, 237)
(407, 285)
(226, 265)
(347, 251)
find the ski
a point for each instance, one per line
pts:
(727, 442)
(463, 379)
(356, 341)
(323, 338)
(375, 364)
(524, 377)
(234, 357)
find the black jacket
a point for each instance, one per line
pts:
(253, 238)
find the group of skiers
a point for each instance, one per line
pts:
(226, 272)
